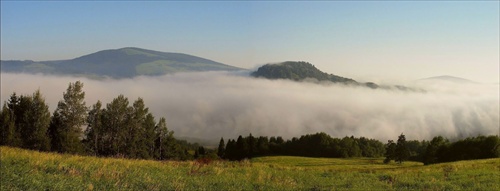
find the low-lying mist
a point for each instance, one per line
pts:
(210, 105)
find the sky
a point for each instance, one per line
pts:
(363, 40)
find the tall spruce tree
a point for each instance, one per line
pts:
(165, 140)
(402, 152)
(241, 148)
(435, 149)
(68, 120)
(115, 126)
(8, 128)
(230, 151)
(93, 133)
(135, 129)
(35, 122)
(390, 151)
(148, 137)
(221, 149)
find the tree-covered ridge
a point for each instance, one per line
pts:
(305, 71)
(298, 71)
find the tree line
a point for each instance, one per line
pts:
(310, 145)
(321, 144)
(440, 149)
(115, 129)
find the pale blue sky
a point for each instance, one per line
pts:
(361, 39)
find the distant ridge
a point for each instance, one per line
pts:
(119, 63)
(447, 78)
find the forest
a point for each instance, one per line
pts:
(122, 129)
(437, 150)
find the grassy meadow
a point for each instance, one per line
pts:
(30, 170)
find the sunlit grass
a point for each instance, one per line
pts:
(29, 170)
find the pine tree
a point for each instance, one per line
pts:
(252, 145)
(35, 122)
(69, 117)
(201, 150)
(196, 154)
(230, 152)
(135, 131)
(165, 141)
(114, 126)
(221, 149)
(8, 128)
(402, 152)
(94, 131)
(148, 137)
(390, 151)
(241, 148)
(262, 146)
(432, 154)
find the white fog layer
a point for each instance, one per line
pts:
(211, 105)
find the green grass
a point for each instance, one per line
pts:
(29, 170)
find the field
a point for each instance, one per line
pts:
(29, 170)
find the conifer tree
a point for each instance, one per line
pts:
(221, 149)
(230, 150)
(135, 131)
(165, 141)
(402, 153)
(8, 128)
(436, 145)
(94, 131)
(114, 126)
(68, 120)
(148, 137)
(390, 151)
(35, 122)
(241, 148)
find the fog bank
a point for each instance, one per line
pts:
(209, 105)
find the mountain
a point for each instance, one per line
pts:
(452, 79)
(120, 63)
(297, 71)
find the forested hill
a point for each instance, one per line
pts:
(298, 71)
(119, 63)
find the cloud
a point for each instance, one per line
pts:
(210, 105)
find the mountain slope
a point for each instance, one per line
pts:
(120, 63)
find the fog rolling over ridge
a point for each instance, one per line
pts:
(209, 105)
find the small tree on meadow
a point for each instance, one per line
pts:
(390, 151)
(402, 152)
(221, 149)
